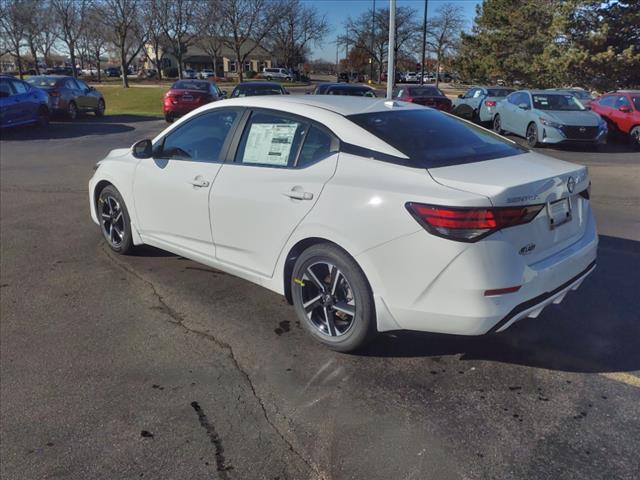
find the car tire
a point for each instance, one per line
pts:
(168, 118)
(115, 223)
(72, 111)
(635, 136)
(532, 135)
(497, 125)
(343, 315)
(42, 117)
(268, 78)
(99, 112)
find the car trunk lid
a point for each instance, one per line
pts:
(529, 179)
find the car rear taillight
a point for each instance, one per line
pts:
(53, 93)
(466, 224)
(407, 99)
(490, 103)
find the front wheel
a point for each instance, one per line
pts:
(100, 110)
(72, 111)
(635, 136)
(532, 135)
(332, 298)
(114, 220)
(497, 125)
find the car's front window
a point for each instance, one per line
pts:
(557, 102)
(433, 139)
(200, 139)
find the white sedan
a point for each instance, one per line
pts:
(368, 215)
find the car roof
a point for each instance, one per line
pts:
(350, 85)
(632, 92)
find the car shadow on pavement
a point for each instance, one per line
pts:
(595, 329)
(84, 125)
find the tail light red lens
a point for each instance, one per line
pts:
(407, 99)
(466, 224)
(490, 103)
(53, 93)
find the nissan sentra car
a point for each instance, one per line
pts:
(368, 215)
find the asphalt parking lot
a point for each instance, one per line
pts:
(151, 366)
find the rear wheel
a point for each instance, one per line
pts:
(635, 136)
(168, 117)
(497, 125)
(72, 111)
(532, 135)
(115, 223)
(332, 298)
(100, 110)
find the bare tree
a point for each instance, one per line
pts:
(444, 32)
(181, 25)
(127, 32)
(297, 27)
(71, 16)
(49, 34)
(95, 40)
(35, 15)
(13, 22)
(155, 33)
(247, 23)
(359, 34)
(212, 35)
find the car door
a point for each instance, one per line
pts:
(462, 104)
(279, 169)
(506, 111)
(521, 115)
(73, 93)
(9, 103)
(88, 95)
(171, 190)
(620, 118)
(474, 101)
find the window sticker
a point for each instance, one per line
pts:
(269, 143)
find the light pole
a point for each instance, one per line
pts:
(392, 47)
(373, 30)
(424, 40)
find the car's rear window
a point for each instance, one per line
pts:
(42, 81)
(499, 92)
(432, 139)
(425, 92)
(252, 90)
(353, 91)
(186, 85)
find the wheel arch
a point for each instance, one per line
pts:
(296, 250)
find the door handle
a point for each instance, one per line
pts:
(298, 194)
(199, 182)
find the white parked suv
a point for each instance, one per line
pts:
(367, 215)
(277, 74)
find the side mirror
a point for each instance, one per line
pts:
(624, 109)
(142, 149)
(523, 106)
(461, 96)
(286, 92)
(225, 94)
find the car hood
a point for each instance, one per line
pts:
(580, 118)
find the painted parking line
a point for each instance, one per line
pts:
(624, 378)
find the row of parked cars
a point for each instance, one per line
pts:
(33, 101)
(553, 116)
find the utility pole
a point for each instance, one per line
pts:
(391, 75)
(373, 33)
(424, 40)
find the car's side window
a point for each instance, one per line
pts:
(6, 90)
(318, 145)
(270, 140)
(526, 99)
(19, 87)
(477, 93)
(200, 139)
(469, 93)
(513, 98)
(622, 102)
(82, 85)
(70, 83)
(607, 101)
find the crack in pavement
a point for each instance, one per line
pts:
(178, 319)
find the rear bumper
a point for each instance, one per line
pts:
(436, 285)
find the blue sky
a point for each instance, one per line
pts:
(337, 12)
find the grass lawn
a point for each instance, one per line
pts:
(133, 100)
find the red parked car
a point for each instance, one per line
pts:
(621, 110)
(425, 95)
(187, 95)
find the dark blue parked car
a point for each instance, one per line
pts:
(22, 104)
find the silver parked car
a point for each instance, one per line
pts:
(479, 103)
(544, 117)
